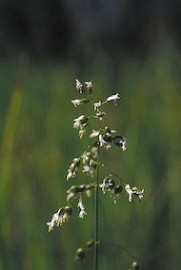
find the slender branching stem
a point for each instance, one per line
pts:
(112, 173)
(120, 247)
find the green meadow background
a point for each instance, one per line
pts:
(38, 143)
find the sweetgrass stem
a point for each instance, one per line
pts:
(97, 212)
(96, 220)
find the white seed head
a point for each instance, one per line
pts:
(94, 133)
(113, 98)
(81, 207)
(97, 105)
(76, 102)
(79, 86)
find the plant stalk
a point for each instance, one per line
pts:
(97, 213)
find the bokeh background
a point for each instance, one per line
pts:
(131, 47)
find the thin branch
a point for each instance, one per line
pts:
(119, 247)
(113, 173)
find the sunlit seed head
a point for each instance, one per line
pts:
(97, 105)
(88, 86)
(113, 98)
(70, 197)
(135, 266)
(72, 189)
(90, 243)
(79, 86)
(80, 254)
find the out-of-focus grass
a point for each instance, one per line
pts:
(38, 144)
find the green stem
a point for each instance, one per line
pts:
(96, 220)
(97, 212)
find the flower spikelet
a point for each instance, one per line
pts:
(134, 191)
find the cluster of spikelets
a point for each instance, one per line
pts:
(88, 161)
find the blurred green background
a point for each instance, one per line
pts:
(38, 144)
